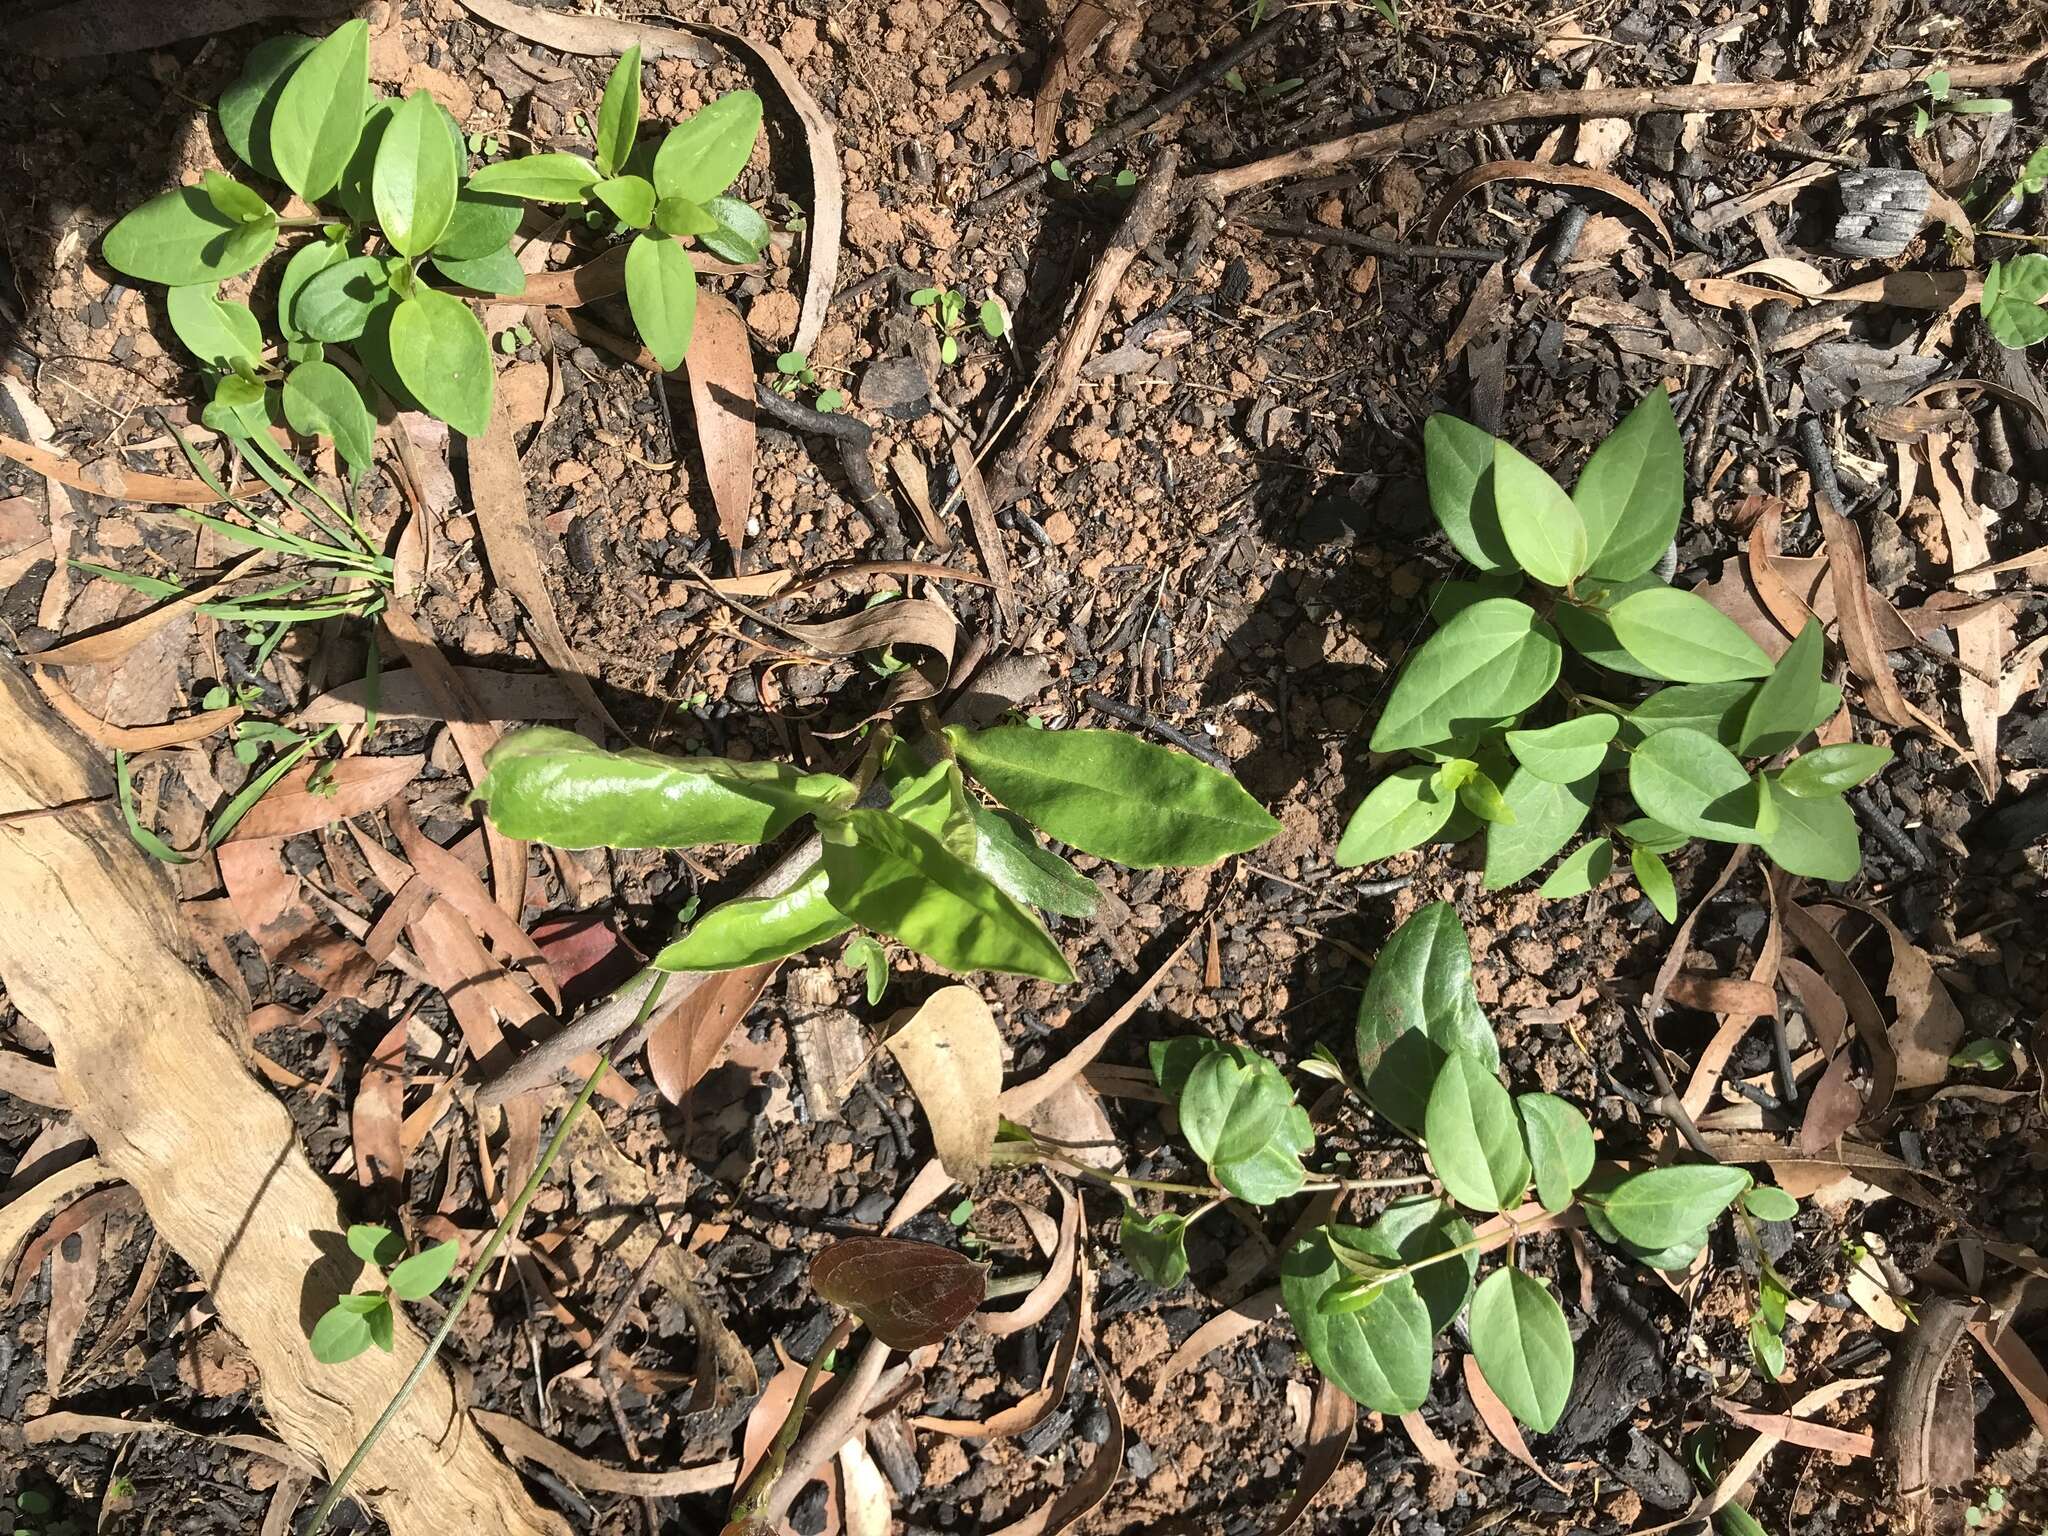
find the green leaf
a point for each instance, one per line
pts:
(219, 332)
(239, 408)
(340, 1335)
(246, 107)
(1419, 1228)
(741, 933)
(497, 273)
(1156, 1246)
(1692, 784)
(661, 291)
(680, 216)
(1110, 794)
(232, 200)
(1566, 752)
(2011, 304)
(481, 225)
(354, 192)
(1543, 529)
(376, 1245)
(1547, 816)
(932, 797)
(1379, 1355)
(552, 786)
(1523, 1346)
(1232, 1104)
(1482, 797)
(554, 177)
(899, 880)
(1815, 838)
(1829, 771)
(306, 263)
(1783, 708)
(1581, 870)
(1419, 1006)
(1654, 876)
(319, 113)
(1274, 1171)
(618, 115)
(182, 240)
(413, 185)
(421, 1275)
(1458, 463)
(737, 232)
(1560, 1147)
(864, 953)
(439, 349)
(1632, 490)
(1585, 620)
(1767, 1202)
(1768, 1346)
(1682, 636)
(1982, 1054)
(1718, 709)
(1665, 1206)
(1488, 664)
(701, 156)
(630, 198)
(335, 302)
(1404, 810)
(1009, 853)
(1174, 1061)
(1473, 1138)
(321, 400)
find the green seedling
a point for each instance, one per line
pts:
(908, 849)
(794, 373)
(363, 1318)
(1367, 1302)
(1982, 1054)
(1941, 103)
(32, 1515)
(510, 341)
(1992, 1503)
(2011, 302)
(864, 953)
(947, 310)
(1511, 747)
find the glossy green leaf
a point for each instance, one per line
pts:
(1718, 709)
(232, 200)
(182, 240)
(1585, 868)
(1474, 1140)
(2011, 302)
(373, 351)
(865, 953)
(899, 880)
(335, 301)
(1156, 1246)
(1174, 1060)
(1546, 817)
(498, 273)
(554, 177)
(1452, 598)
(630, 198)
(1632, 490)
(1664, 1206)
(680, 216)
(342, 1333)
(246, 107)
(1488, 664)
(319, 113)
(322, 401)
(1543, 528)
(1767, 1202)
(737, 232)
(306, 263)
(353, 194)
(1683, 637)
(413, 184)
(741, 933)
(1418, 1228)
(439, 348)
(1593, 1193)
(1274, 1171)
(1113, 795)
(239, 407)
(1418, 1007)
(1654, 876)
(1380, 1354)
(1983, 1054)
(703, 155)
(1785, 702)
(1523, 1346)
(1585, 620)
(1566, 752)
(1404, 810)
(1692, 784)
(618, 114)
(932, 797)
(1642, 832)
(376, 1245)
(1482, 797)
(1813, 837)
(1560, 1144)
(219, 332)
(1458, 462)
(552, 786)
(1232, 1104)
(661, 291)
(421, 1275)
(1009, 853)
(1828, 771)
(481, 225)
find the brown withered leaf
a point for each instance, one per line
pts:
(376, 1118)
(1332, 1419)
(909, 1294)
(1929, 1026)
(299, 803)
(1549, 175)
(951, 1054)
(720, 368)
(1500, 1423)
(685, 1044)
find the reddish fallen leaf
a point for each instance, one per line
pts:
(1849, 574)
(457, 883)
(1549, 175)
(1078, 32)
(300, 803)
(589, 958)
(1429, 1445)
(909, 1294)
(67, 1222)
(74, 1277)
(770, 1411)
(266, 898)
(686, 1043)
(1984, 637)
(1499, 1422)
(1036, 1406)
(376, 1119)
(1929, 1026)
(1331, 1422)
(1826, 1014)
(404, 694)
(1848, 984)
(1833, 1108)
(1231, 1323)
(1802, 1432)
(132, 738)
(720, 367)
(1086, 1492)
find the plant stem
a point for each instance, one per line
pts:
(1208, 1191)
(1407, 1183)
(752, 1497)
(510, 1220)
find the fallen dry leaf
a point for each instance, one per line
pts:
(505, 697)
(909, 1294)
(1499, 1422)
(865, 1507)
(1083, 24)
(685, 1044)
(951, 1054)
(1331, 1420)
(299, 802)
(1088, 1490)
(1984, 637)
(1549, 175)
(1929, 1026)
(720, 368)
(377, 1117)
(1035, 1406)
(522, 1442)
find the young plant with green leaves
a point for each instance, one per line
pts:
(2012, 300)
(362, 1318)
(947, 310)
(1518, 745)
(1367, 1302)
(908, 849)
(1942, 102)
(794, 373)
